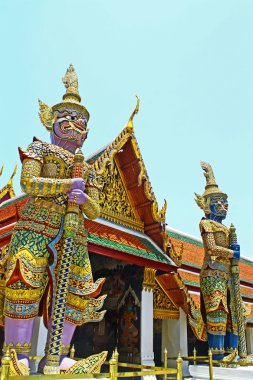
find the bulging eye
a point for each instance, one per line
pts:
(73, 117)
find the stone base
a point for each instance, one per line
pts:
(200, 372)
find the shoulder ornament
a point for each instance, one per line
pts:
(205, 226)
(23, 154)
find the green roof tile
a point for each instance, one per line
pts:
(193, 283)
(184, 238)
(96, 156)
(191, 264)
(155, 256)
(245, 261)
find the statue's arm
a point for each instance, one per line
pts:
(91, 206)
(213, 249)
(31, 181)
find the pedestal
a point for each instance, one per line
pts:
(201, 372)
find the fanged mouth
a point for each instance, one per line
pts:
(79, 126)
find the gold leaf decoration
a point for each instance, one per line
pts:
(114, 202)
(164, 308)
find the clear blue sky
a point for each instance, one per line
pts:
(189, 61)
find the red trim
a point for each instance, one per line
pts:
(16, 275)
(97, 291)
(5, 241)
(190, 268)
(119, 255)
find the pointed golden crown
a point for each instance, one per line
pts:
(211, 188)
(71, 99)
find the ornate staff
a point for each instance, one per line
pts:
(69, 233)
(242, 347)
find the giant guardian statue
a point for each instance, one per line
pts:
(48, 269)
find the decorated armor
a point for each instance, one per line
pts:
(215, 277)
(33, 263)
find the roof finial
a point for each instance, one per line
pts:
(130, 126)
(13, 173)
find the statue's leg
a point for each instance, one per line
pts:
(231, 338)
(18, 334)
(68, 332)
(79, 310)
(214, 291)
(26, 279)
(216, 327)
(20, 309)
(81, 307)
(231, 342)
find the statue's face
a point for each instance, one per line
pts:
(69, 129)
(219, 206)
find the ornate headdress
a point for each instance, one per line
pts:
(71, 99)
(211, 188)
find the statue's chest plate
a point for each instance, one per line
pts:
(57, 164)
(221, 239)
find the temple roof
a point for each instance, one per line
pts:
(7, 192)
(121, 161)
(133, 243)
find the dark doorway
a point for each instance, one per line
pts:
(121, 325)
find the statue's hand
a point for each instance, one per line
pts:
(236, 249)
(78, 183)
(77, 196)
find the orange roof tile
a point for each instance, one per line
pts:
(194, 254)
(246, 271)
(191, 253)
(189, 276)
(113, 234)
(196, 298)
(7, 212)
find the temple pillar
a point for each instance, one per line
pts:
(249, 339)
(174, 338)
(39, 339)
(147, 351)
